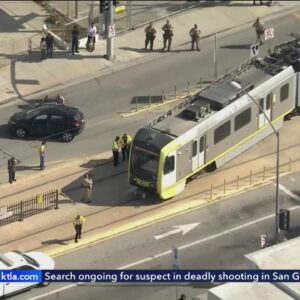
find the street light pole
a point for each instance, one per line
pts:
(237, 86)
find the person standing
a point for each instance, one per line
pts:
(50, 44)
(125, 145)
(78, 223)
(75, 39)
(87, 185)
(168, 35)
(115, 150)
(195, 36)
(92, 30)
(43, 46)
(150, 32)
(11, 167)
(260, 30)
(42, 153)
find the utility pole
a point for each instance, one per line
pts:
(110, 32)
(76, 9)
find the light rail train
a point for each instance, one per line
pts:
(218, 123)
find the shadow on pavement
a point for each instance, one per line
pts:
(57, 241)
(246, 46)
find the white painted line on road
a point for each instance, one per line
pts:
(212, 237)
(288, 192)
(292, 179)
(178, 228)
(168, 252)
(66, 287)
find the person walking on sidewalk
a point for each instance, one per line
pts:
(78, 223)
(50, 44)
(43, 46)
(87, 185)
(42, 153)
(125, 145)
(195, 36)
(115, 150)
(11, 167)
(260, 30)
(168, 35)
(150, 32)
(92, 30)
(75, 39)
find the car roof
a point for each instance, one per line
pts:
(11, 260)
(54, 108)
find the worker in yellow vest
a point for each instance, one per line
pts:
(125, 145)
(115, 150)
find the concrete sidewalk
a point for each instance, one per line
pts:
(116, 210)
(28, 74)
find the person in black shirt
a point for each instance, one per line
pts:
(75, 39)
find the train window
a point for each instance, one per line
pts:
(261, 105)
(242, 119)
(201, 146)
(194, 148)
(268, 103)
(169, 164)
(222, 132)
(284, 92)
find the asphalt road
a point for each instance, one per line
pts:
(225, 231)
(103, 99)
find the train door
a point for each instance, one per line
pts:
(264, 110)
(184, 161)
(198, 153)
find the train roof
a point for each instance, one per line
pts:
(218, 95)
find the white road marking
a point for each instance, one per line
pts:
(168, 252)
(292, 179)
(178, 228)
(289, 192)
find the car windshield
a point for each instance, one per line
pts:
(31, 113)
(30, 260)
(145, 160)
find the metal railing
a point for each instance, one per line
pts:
(20, 210)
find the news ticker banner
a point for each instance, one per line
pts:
(149, 276)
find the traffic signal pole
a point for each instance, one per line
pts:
(109, 24)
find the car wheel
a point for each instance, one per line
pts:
(21, 132)
(67, 137)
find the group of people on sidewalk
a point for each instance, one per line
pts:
(168, 33)
(47, 44)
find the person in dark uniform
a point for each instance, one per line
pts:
(150, 36)
(168, 35)
(11, 166)
(50, 44)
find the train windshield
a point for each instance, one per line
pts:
(145, 160)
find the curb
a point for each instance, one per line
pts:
(58, 165)
(107, 70)
(157, 215)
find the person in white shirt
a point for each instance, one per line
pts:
(92, 30)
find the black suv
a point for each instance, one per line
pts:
(48, 121)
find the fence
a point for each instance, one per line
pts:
(254, 178)
(23, 209)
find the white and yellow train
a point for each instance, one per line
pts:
(217, 124)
